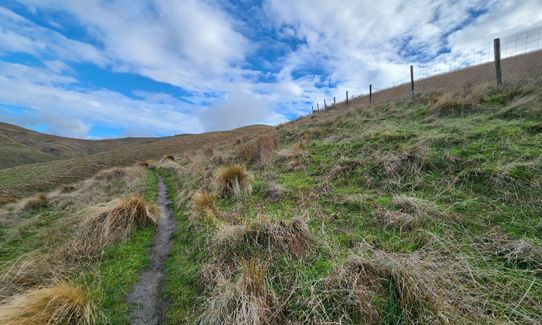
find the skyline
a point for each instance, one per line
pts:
(157, 68)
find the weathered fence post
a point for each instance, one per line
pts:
(370, 94)
(325, 104)
(312, 109)
(334, 102)
(497, 50)
(317, 107)
(347, 99)
(412, 80)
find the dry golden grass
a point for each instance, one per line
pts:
(233, 180)
(245, 301)
(514, 252)
(110, 174)
(203, 206)
(260, 151)
(124, 216)
(37, 201)
(453, 105)
(293, 158)
(63, 303)
(427, 287)
(166, 158)
(265, 234)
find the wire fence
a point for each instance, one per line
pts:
(510, 46)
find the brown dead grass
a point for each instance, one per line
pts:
(428, 288)
(260, 151)
(246, 300)
(37, 201)
(264, 234)
(167, 158)
(203, 206)
(110, 174)
(233, 180)
(62, 303)
(453, 105)
(119, 220)
(517, 252)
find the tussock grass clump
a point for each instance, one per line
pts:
(110, 174)
(398, 220)
(275, 191)
(260, 151)
(37, 201)
(450, 106)
(233, 180)
(402, 288)
(203, 206)
(62, 303)
(264, 235)
(514, 252)
(119, 220)
(246, 300)
(167, 158)
(294, 158)
(412, 214)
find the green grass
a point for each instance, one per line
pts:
(120, 267)
(182, 285)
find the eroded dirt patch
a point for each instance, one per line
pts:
(145, 299)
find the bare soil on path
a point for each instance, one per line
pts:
(145, 300)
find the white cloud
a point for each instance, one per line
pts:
(190, 43)
(72, 112)
(239, 109)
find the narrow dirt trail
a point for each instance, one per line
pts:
(145, 299)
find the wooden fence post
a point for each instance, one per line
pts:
(347, 99)
(325, 104)
(497, 50)
(411, 80)
(334, 101)
(370, 94)
(312, 109)
(317, 107)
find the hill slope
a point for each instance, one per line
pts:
(424, 210)
(20, 146)
(20, 181)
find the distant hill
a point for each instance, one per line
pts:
(24, 180)
(20, 146)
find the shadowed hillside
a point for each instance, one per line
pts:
(20, 146)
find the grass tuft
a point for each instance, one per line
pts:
(62, 303)
(124, 216)
(244, 301)
(203, 206)
(260, 151)
(233, 180)
(37, 201)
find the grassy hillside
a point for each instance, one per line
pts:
(425, 210)
(26, 180)
(419, 211)
(19, 146)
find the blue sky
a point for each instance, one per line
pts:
(100, 69)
